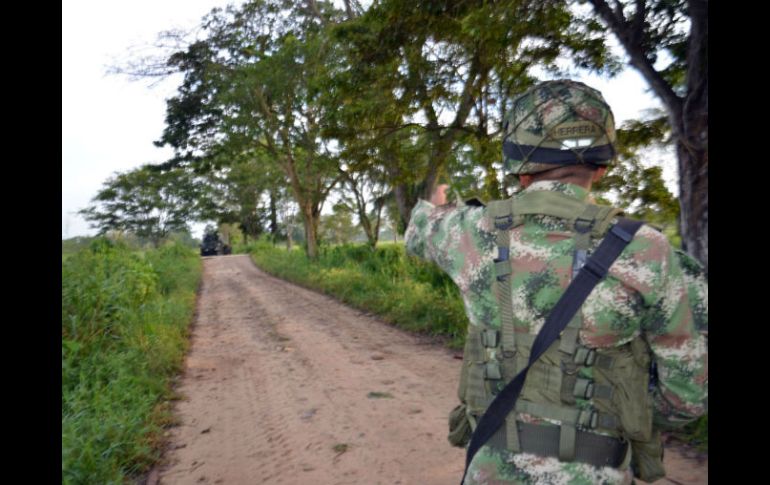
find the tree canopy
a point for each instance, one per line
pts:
(146, 202)
(286, 106)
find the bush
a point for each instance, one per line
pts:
(405, 291)
(124, 333)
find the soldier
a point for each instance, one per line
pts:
(592, 406)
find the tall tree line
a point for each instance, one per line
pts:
(377, 105)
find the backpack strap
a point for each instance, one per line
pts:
(595, 269)
(501, 215)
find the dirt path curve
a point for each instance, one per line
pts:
(286, 386)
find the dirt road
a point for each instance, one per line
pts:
(286, 386)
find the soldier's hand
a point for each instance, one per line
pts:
(439, 195)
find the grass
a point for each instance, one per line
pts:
(405, 291)
(124, 334)
(695, 434)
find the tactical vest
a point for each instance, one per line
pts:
(600, 396)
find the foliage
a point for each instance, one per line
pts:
(405, 291)
(667, 42)
(124, 329)
(251, 90)
(696, 433)
(146, 202)
(296, 99)
(639, 187)
(338, 227)
(75, 244)
(244, 190)
(428, 79)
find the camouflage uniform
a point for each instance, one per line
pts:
(652, 290)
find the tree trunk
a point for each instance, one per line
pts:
(688, 115)
(310, 219)
(693, 199)
(693, 154)
(405, 201)
(376, 232)
(442, 147)
(273, 216)
(288, 237)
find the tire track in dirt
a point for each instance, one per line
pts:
(283, 385)
(277, 390)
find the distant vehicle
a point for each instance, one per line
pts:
(212, 245)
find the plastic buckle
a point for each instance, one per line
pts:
(588, 419)
(490, 338)
(583, 225)
(584, 388)
(492, 371)
(585, 356)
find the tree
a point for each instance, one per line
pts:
(636, 187)
(245, 193)
(146, 202)
(368, 190)
(338, 226)
(252, 86)
(654, 30)
(442, 72)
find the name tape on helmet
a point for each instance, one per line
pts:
(575, 129)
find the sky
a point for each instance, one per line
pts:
(109, 123)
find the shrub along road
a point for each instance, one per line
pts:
(283, 385)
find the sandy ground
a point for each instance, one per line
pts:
(283, 385)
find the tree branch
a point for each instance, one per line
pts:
(631, 41)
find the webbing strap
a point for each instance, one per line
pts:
(512, 434)
(543, 440)
(549, 203)
(563, 206)
(569, 337)
(500, 212)
(585, 418)
(595, 269)
(567, 436)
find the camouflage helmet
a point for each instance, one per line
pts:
(557, 123)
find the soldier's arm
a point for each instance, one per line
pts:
(443, 234)
(676, 331)
(417, 231)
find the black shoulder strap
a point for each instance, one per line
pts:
(594, 270)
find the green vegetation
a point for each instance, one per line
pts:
(696, 434)
(282, 108)
(124, 329)
(407, 292)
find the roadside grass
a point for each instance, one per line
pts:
(125, 324)
(402, 290)
(695, 434)
(408, 292)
